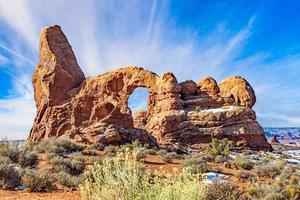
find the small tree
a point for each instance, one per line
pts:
(218, 148)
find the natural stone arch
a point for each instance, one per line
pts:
(95, 110)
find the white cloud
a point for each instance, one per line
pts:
(17, 15)
(16, 117)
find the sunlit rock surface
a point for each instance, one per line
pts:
(95, 110)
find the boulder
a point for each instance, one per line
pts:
(237, 91)
(188, 88)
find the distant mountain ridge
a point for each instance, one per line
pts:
(289, 133)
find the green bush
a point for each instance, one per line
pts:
(195, 165)
(218, 147)
(9, 176)
(38, 180)
(241, 162)
(68, 180)
(223, 191)
(267, 192)
(121, 177)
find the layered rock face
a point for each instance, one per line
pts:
(95, 110)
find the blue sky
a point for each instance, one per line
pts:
(259, 40)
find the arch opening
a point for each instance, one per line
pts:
(138, 105)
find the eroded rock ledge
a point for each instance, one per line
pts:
(95, 110)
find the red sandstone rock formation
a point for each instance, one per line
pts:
(95, 110)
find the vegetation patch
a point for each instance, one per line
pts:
(38, 180)
(241, 162)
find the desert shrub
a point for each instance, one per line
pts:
(174, 155)
(121, 177)
(150, 151)
(244, 174)
(220, 159)
(267, 192)
(293, 191)
(10, 150)
(161, 152)
(195, 165)
(38, 180)
(97, 160)
(110, 150)
(76, 165)
(98, 146)
(58, 146)
(285, 175)
(9, 176)
(167, 158)
(90, 152)
(27, 159)
(68, 180)
(224, 191)
(198, 108)
(294, 180)
(140, 156)
(270, 170)
(5, 160)
(218, 147)
(73, 165)
(242, 162)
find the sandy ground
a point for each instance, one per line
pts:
(57, 195)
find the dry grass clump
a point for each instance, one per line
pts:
(241, 162)
(38, 180)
